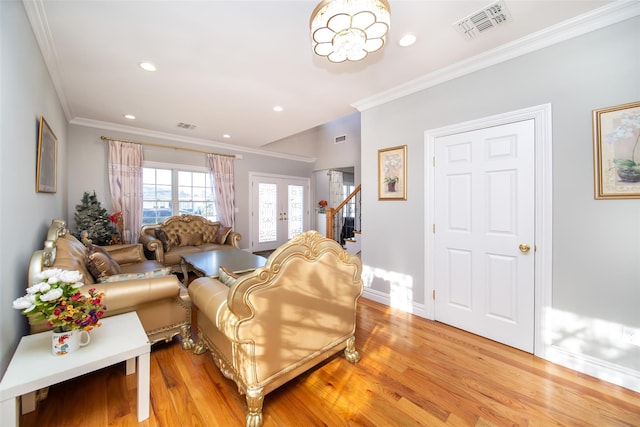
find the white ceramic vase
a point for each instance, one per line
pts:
(69, 341)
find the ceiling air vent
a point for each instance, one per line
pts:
(186, 126)
(340, 139)
(483, 20)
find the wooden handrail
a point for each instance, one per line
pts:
(349, 197)
(331, 212)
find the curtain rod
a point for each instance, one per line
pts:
(151, 144)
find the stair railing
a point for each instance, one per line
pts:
(335, 216)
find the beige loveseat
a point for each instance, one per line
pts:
(162, 303)
(185, 234)
(271, 325)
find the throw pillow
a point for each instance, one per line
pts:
(100, 263)
(221, 237)
(227, 277)
(162, 236)
(190, 239)
(131, 276)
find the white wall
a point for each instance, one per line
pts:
(27, 92)
(319, 143)
(596, 243)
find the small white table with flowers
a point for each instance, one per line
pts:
(121, 338)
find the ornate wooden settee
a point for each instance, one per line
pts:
(185, 234)
(162, 303)
(269, 326)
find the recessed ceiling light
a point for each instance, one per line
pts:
(147, 66)
(407, 40)
(226, 135)
(129, 117)
(277, 108)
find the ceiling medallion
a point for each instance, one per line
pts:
(347, 30)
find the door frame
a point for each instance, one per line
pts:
(253, 175)
(543, 280)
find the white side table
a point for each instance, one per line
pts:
(120, 338)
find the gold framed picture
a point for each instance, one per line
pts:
(616, 152)
(46, 170)
(392, 173)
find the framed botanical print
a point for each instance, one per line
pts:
(392, 173)
(616, 152)
(46, 169)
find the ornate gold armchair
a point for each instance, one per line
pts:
(275, 323)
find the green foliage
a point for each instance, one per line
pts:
(626, 164)
(390, 179)
(93, 218)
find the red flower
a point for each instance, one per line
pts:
(323, 203)
(115, 217)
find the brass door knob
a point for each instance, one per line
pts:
(524, 248)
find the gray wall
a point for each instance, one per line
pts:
(88, 155)
(27, 92)
(319, 143)
(596, 243)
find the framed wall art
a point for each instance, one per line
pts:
(616, 152)
(392, 173)
(46, 170)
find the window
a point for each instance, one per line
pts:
(172, 191)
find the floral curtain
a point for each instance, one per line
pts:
(221, 173)
(125, 184)
(336, 196)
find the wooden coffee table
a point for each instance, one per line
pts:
(208, 263)
(120, 338)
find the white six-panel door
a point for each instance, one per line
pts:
(484, 232)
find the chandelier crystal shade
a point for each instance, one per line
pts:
(345, 30)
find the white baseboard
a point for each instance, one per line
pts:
(603, 370)
(383, 298)
(376, 296)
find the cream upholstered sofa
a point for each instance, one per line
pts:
(184, 234)
(162, 303)
(271, 325)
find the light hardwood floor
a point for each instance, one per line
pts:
(412, 372)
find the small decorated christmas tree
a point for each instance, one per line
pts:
(93, 218)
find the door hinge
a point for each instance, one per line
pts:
(433, 228)
(434, 161)
(433, 295)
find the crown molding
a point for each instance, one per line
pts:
(38, 20)
(207, 144)
(609, 14)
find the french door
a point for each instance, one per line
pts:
(279, 209)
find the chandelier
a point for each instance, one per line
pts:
(345, 30)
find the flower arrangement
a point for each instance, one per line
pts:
(117, 220)
(322, 205)
(390, 179)
(57, 299)
(627, 126)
